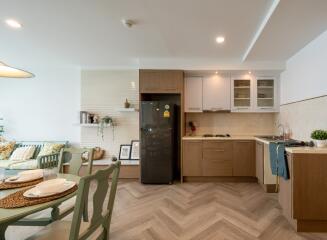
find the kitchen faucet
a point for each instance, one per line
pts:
(281, 126)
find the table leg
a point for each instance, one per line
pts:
(55, 213)
(3, 228)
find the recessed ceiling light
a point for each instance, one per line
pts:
(249, 72)
(220, 39)
(216, 72)
(13, 23)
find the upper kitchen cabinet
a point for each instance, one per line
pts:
(242, 94)
(193, 94)
(266, 94)
(161, 81)
(216, 93)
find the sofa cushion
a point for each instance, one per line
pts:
(51, 148)
(22, 153)
(6, 149)
(23, 165)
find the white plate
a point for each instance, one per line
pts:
(25, 176)
(37, 192)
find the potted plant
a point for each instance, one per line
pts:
(320, 137)
(104, 122)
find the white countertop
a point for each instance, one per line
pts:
(307, 150)
(233, 137)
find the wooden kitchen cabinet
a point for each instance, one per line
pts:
(244, 158)
(193, 94)
(161, 81)
(216, 93)
(217, 158)
(285, 196)
(192, 158)
(259, 157)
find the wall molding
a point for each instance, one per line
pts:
(304, 100)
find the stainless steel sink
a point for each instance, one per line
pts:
(288, 142)
(272, 138)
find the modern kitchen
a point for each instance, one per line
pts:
(229, 129)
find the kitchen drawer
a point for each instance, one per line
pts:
(217, 167)
(217, 154)
(227, 146)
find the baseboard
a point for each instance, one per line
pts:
(311, 226)
(219, 179)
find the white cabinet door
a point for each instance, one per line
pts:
(216, 93)
(193, 94)
(242, 93)
(266, 94)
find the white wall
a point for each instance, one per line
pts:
(103, 92)
(44, 107)
(305, 76)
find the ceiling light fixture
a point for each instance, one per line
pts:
(128, 23)
(249, 72)
(10, 72)
(13, 23)
(216, 72)
(220, 39)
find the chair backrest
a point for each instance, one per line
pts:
(100, 218)
(38, 145)
(75, 157)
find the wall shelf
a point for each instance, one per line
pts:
(127, 110)
(90, 125)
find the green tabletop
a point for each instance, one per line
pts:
(11, 216)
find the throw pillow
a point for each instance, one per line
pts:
(6, 149)
(51, 148)
(22, 153)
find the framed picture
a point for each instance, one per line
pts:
(124, 152)
(135, 151)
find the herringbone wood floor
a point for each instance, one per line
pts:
(194, 211)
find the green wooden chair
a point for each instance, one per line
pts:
(99, 226)
(74, 156)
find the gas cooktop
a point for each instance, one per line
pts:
(215, 135)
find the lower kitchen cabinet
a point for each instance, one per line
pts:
(217, 158)
(243, 158)
(192, 158)
(259, 158)
(211, 158)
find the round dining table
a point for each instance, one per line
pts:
(15, 216)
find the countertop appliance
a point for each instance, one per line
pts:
(158, 142)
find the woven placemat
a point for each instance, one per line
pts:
(17, 200)
(5, 185)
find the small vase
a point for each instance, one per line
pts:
(127, 104)
(321, 143)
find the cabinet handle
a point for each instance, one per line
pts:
(266, 108)
(240, 108)
(219, 150)
(194, 108)
(244, 141)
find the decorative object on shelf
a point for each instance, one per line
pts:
(83, 117)
(114, 158)
(11, 72)
(127, 104)
(95, 119)
(192, 127)
(125, 152)
(104, 122)
(320, 138)
(135, 151)
(98, 153)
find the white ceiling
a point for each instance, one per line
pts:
(168, 33)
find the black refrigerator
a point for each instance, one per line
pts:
(158, 142)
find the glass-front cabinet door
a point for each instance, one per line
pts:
(266, 94)
(241, 94)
